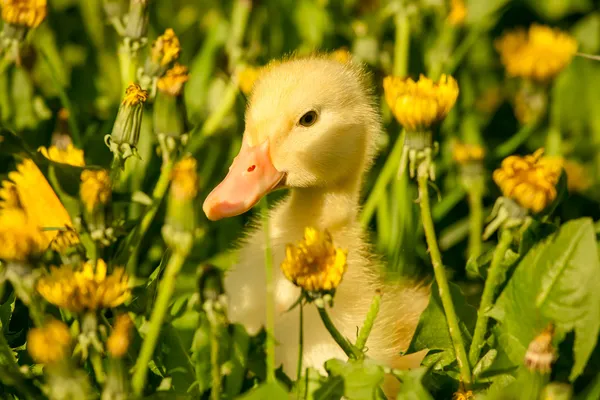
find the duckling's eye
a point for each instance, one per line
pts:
(308, 119)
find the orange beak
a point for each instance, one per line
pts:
(251, 176)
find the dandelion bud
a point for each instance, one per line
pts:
(120, 339)
(165, 50)
(464, 153)
(458, 12)
(126, 130)
(180, 223)
(172, 83)
(210, 283)
(541, 354)
(115, 9)
(50, 343)
(137, 20)
(315, 264)
(95, 192)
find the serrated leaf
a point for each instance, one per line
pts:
(238, 359)
(432, 331)
(361, 378)
(555, 282)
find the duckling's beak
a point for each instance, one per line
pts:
(251, 176)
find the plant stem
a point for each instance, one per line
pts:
(365, 330)
(128, 66)
(167, 287)
(300, 346)
(440, 276)
(157, 197)
(270, 325)
(494, 279)
(475, 220)
(401, 43)
(509, 146)
(348, 348)
(215, 370)
(385, 176)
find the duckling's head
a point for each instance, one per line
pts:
(310, 122)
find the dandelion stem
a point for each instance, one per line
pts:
(215, 370)
(167, 287)
(348, 348)
(270, 325)
(494, 279)
(365, 330)
(402, 43)
(157, 197)
(440, 276)
(475, 195)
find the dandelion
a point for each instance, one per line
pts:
(578, 179)
(119, 340)
(458, 12)
(134, 95)
(247, 77)
(27, 13)
(530, 180)
(541, 354)
(342, 56)
(315, 264)
(165, 49)
(418, 106)
(172, 82)
(85, 289)
(68, 155)
(40, 204)
(95, 188)
(538, 54)
(21, 240)
(463, 395)
(184, 177)
(464, 153)
(50, 343)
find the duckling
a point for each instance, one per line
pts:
(312, 127)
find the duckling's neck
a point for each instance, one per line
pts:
(331, 207)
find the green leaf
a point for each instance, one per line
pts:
(557, 9)
(238, 360)
(556, 281)
(266, 391)
(432, 331)
(412, 387)
(361, 378)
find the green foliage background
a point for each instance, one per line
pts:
(71, 61)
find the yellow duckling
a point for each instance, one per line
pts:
(312, 127)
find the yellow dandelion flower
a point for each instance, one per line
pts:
(420, 105)
(87, 288)
(458, 12)
(9, 197)
(119, 340)
(41, 206)
(29, 13)
(172, 82)
(50, 343)
(342, 56)
(578, 178)
(134, 95)
(463, 395)
(20, 238)
(70, 155)
(184, 177)
(464, 153)
(541, 354)
(530, 180)
(539, 54)
(247, 77)
(166, 48)
(315, 264)
(95, 188)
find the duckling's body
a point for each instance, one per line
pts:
(322, 164)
